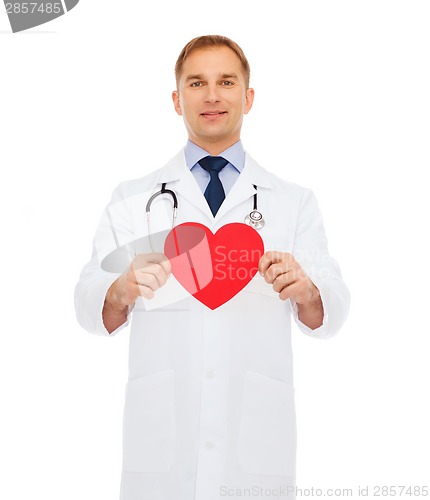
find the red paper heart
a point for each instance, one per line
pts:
(213, 267)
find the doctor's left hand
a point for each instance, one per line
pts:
(282, 270)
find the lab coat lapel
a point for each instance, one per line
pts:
(243, 189)
(178, 173)
(185, 185)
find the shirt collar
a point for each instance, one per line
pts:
(235, 155)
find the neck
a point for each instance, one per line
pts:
(214, 148)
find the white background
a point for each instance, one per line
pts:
(342, 106)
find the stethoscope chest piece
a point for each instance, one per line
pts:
(255, 219)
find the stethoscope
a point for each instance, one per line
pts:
(253, 219)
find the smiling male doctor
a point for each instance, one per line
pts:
(209, 408)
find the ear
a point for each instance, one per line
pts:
(176, 102)
(249, 99)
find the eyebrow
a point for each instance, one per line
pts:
(201, 77)
(229, 75)
(194, 77)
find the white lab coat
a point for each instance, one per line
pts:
(209, 408)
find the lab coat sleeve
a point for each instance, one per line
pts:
(311, 251)
(94, 282)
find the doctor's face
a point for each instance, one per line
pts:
(212, 97)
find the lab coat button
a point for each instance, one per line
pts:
(209, 445)
(210, 374)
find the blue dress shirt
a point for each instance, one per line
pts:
(236, 161)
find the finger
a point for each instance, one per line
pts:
(146, 292)
(145, 259)
(266, 260)
(161, 269)
(156, 258)
(275, 271)
(147, 279)
(283, 280)
(167, 266)
(148, 274)
(273, 257)
(290, 291)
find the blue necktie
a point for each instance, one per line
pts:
(214, 192)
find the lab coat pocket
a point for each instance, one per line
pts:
(267, 437)
(149, 423)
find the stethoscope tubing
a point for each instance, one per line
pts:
(253, 219)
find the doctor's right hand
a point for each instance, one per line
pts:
(145, 275)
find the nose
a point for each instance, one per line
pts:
(212, 95)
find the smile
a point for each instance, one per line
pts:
(213, 114)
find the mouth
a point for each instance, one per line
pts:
(213, 114)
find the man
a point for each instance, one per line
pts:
(209, 406)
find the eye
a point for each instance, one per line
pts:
(196, 84)
(227, 83)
